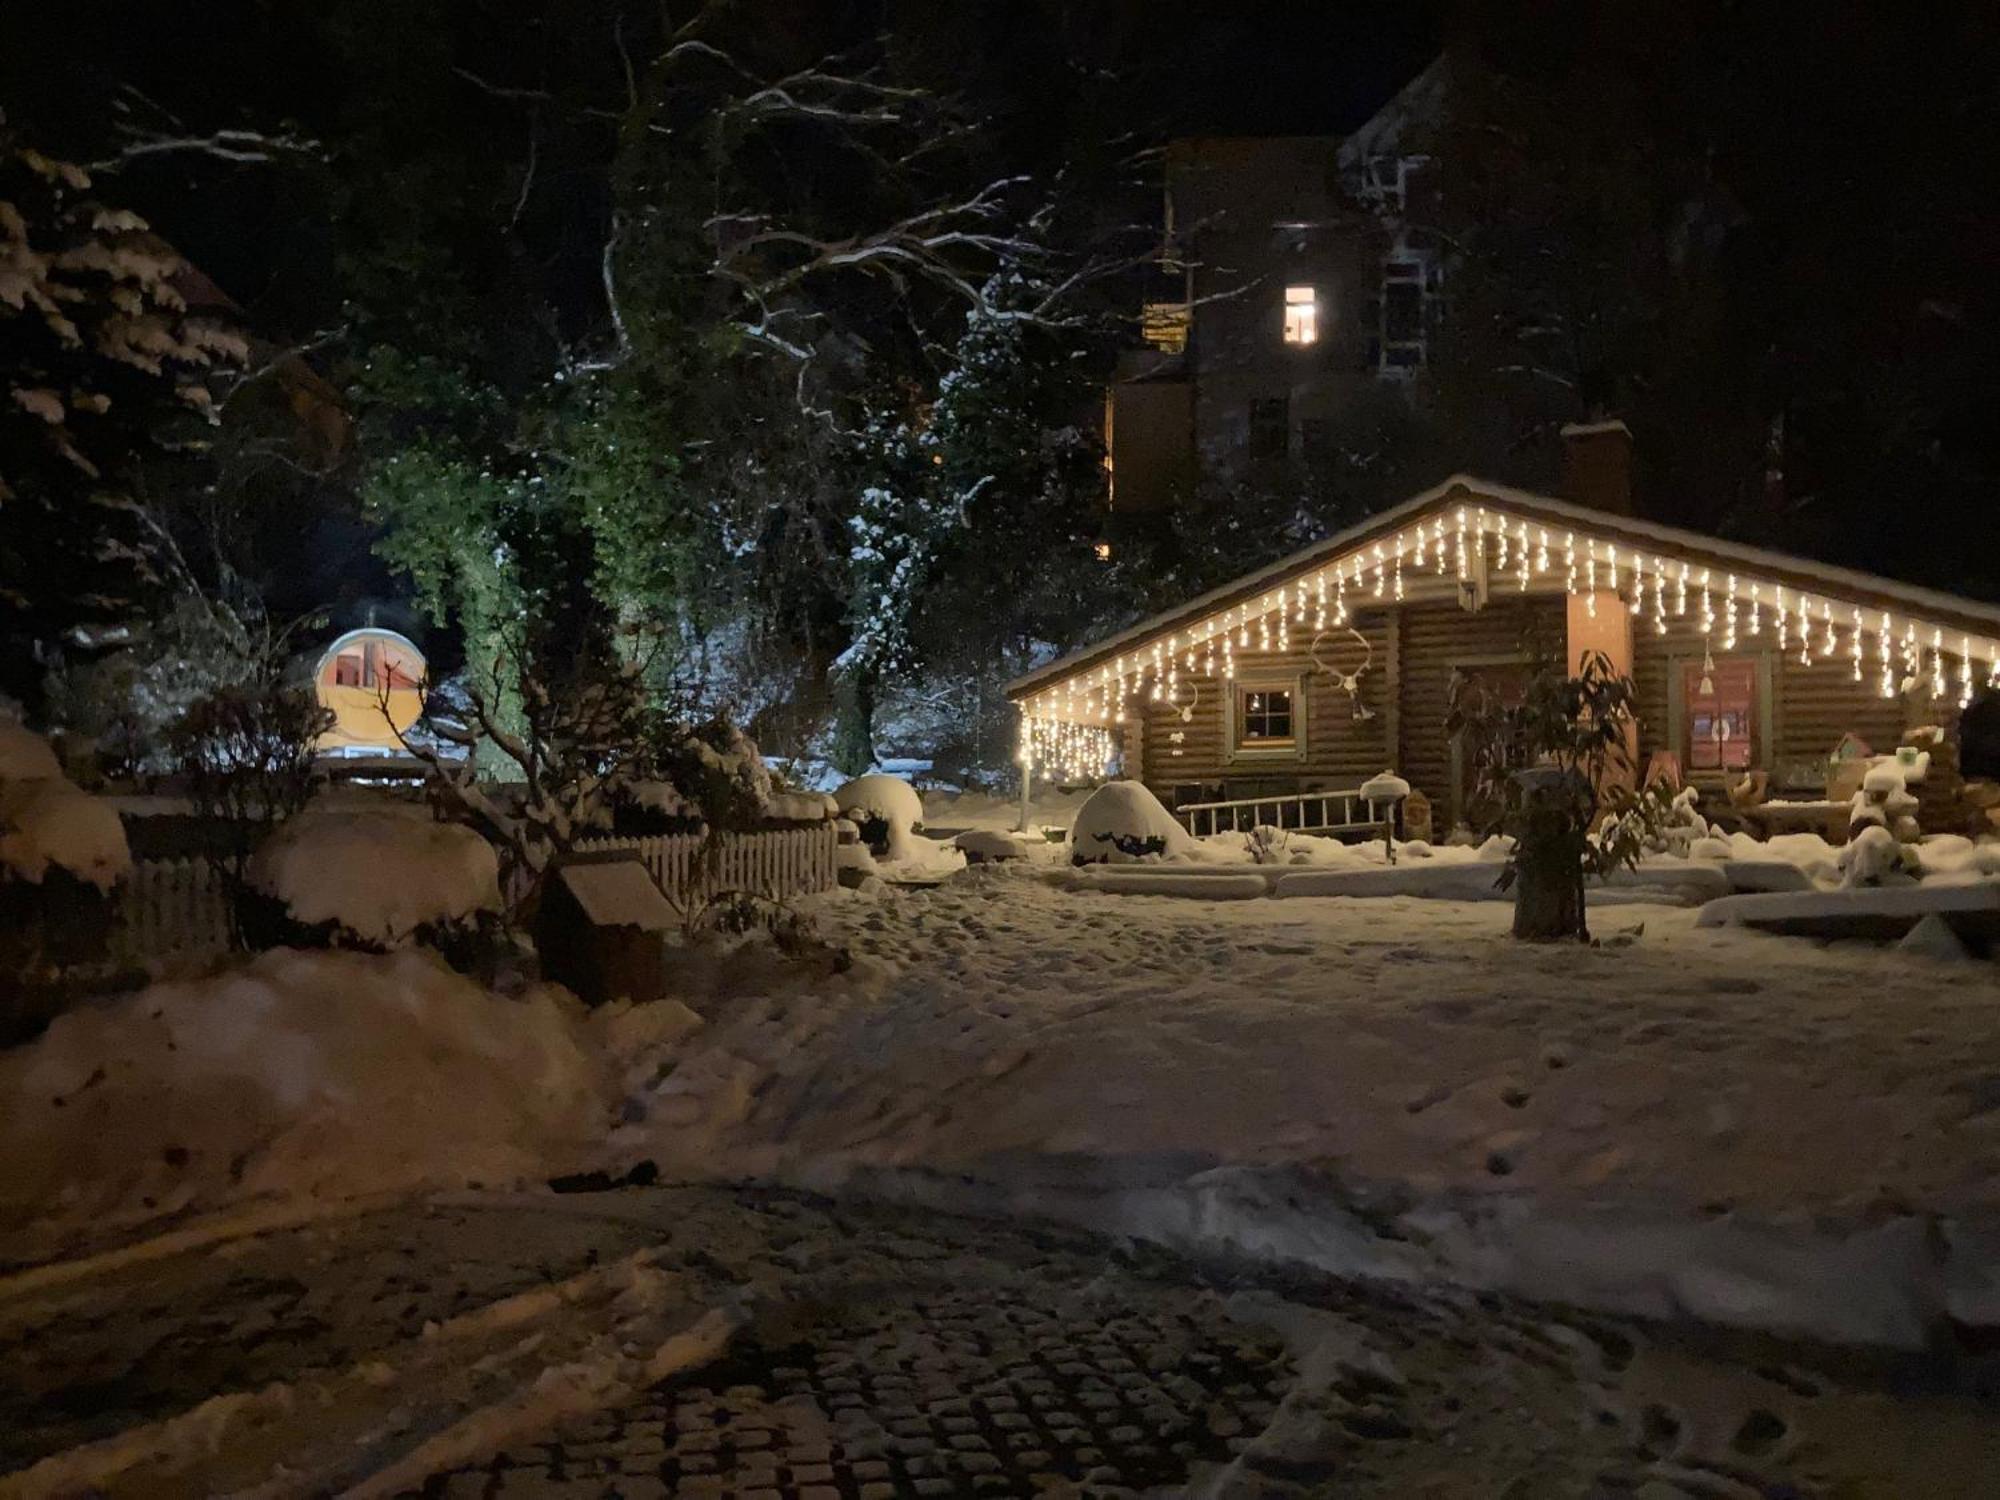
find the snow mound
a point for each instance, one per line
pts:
(379, 871)
(301, 1075)
(989, 843)
(46, 823)
(25, 755)
(892, 801)
(1123, 821)
(1932, 937)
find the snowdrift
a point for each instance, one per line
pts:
(299, 1076)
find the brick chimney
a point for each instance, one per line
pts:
(1597, 466)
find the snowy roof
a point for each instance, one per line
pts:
(1850, 589)
(619, 893)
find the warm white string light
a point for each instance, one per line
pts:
(1106, 693)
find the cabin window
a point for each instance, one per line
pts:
(1720, 714)
(347, 669)
(1301, 315)
(1267, 718)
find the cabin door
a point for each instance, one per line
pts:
(1506, 683)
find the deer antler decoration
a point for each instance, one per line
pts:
(1348, 682)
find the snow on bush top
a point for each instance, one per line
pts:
(1123, 821)
(378, 869)
(25, 755)
(740, 766)
(301, 1074)
(53, 822)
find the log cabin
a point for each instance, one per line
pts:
(1272, 698)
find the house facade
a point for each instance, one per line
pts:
(1337, 662)
(1290, 282)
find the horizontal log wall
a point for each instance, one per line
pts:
(1811, 706)
(1438, 637)
(1340, 751)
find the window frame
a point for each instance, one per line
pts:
(1300, 328)
(1242, 749)
(1763, 717)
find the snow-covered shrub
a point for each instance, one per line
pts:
(1659, 820)
(1267, 845)
(1885, 802)
(358, 872)
(1122, 822)
(887, 811)
(52, 826)
(246, 756)
(710, 776)
(25, 755)
(1875, 856)
(62, 852)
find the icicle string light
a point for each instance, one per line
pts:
(1474, 544)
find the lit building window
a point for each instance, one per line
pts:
(1721, 702)
(1301, 315)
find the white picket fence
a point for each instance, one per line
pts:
(171, 908)
(780, 864)
(175, 908)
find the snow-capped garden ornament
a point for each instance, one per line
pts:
(1348, 682)
(887, 811)
(1382, 792)
(1123, 822)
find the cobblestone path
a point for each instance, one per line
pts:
(519, 1346)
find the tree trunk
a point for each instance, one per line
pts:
(1548, 871)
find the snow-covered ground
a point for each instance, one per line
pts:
(1575, 1121)
(1681, 1120)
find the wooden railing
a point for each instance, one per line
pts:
(1344, 811)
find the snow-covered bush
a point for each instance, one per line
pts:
(1884, 802)
(246, 755)
(359, 872)
(1267, 845)
(62, 851)
(887, 811)
(1122, 822)
(25, 755)
(710, 776)
(1875, 856)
